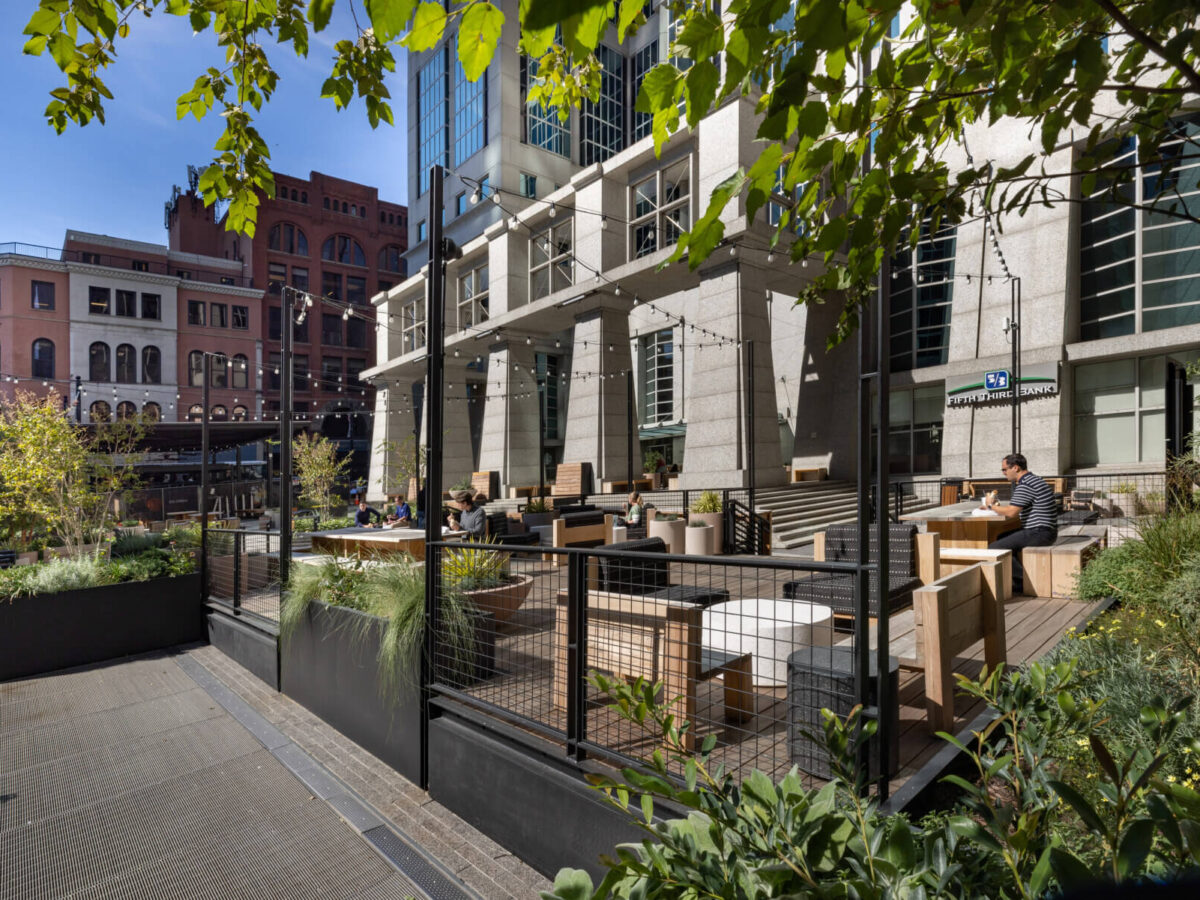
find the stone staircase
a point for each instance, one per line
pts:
(800, 510)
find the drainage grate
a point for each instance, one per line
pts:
(436, 884)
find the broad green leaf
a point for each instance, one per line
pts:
(1135, 847)
(1070, 871)
(428, 25)
(570, 884)
(1081, 806)
(582, 31)
(319, 12)
(389, 17)
(700, 88)
(548, 13)
(658, 89)
(44, 21)
(628, 14)
(478, 37)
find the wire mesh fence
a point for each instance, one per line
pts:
(243, 571)
(746, 651)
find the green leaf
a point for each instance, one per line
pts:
(478, 37)
(319, 12)
(628, 15)
(570, 884)
(648, 808)
(1104, 758)
(1135, 847)
(582, 31)
(1081, 806)
(1040, 877)
(658, 89)
(700, 88)
(389, 17)
(548, 13)
(428, 25)
(44, 22)
(1070, 871)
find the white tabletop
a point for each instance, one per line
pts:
(769, 629)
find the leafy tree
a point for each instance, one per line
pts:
(402, 463)
(865, 123)
(318, 469)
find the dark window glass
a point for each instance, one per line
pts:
(300, 372)
(331, 330)
(126, 364)
(300, 278)
(274, 333)
(151, 306)
(100, 411)
(240, 373)
(41, 294)
(356, 332)
(99, 363)
(356, 289)
(220, 316)
(196, 369)
(241, 317)
(140, 265)
(273, 377)
(126, 410)
(195, 312)
(331, 373)
(343, 249)
(98, 300)
(151, 365)
(287, 238)
(127, 304)
(219, 372)
(300, 331)
(43, 358)
(389, 259)
(331, 285)
(152, 412)
(276, 277)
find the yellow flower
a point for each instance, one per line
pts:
(1171, 778)
(1082, 742)
(1160, 623)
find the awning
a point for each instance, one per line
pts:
(164, 437)
(654, 432)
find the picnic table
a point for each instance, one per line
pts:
(960, 527)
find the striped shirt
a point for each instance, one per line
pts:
(1036, 502)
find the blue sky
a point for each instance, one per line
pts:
(114, 178)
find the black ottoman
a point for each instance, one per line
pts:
(823, 678)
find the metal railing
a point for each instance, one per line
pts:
(241, 573)
(740, 654)
(156, 504)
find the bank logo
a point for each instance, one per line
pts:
(996, 381)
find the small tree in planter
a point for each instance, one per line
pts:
(1124, 498)
(481, 574)
(537, 513)
(318, 469)
(403, 467)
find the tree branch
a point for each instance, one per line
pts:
(1149, 43)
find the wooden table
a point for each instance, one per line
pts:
(371, 542)
(959, 528)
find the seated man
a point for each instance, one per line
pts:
(1032, 501)
(402, 515)
(362, 518)
(470, 518)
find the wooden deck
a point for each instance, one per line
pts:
(525, 655)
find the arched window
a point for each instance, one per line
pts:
(152, 412)
(195, 413)
(126, 410)
(240, 413)
(345, 207)
(354, 209)
(389, 259)
(126, 364)
(43, 358)
(196, 369)
(219, 414)
(151, 365)
(219, 368)
(287, 238)
(344, 249)
(99, 364)
(240, 377)
(100, 411)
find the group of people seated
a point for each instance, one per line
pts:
(466, 514)
(369, 517)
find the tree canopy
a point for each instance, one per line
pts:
(861, 108)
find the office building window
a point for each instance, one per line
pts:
(412, 324)
(331, 372)
(300, 331)
(220, 316)
(914, 430)
(473, 297)
(100, 411)
(196, 369)
(643, 61)
(343, 249)
(300, 278)
(601, 124)
(356, 289)
(431, 116)
(300, 380)
(99, 362)
(239, 373)
(661, 209)
(542, 126)
(276, 277)
(151, 365)
(287, 238)
(470, 114)
(528, 185)
(41, 294)
(274, 361)
(218, 372)
(353, 367)
(274, 333)
(42, 363)
(420, 231)
(657, 364)
(126, 304)
(98, 300)
(921, 293)
(241, 317)
(151, 306)
(356, 332)
(1124, 290)
(126, 364)
(331, 330)
(460, 203)
(551, 259)
(331, 285)
(548, 374)
(126, 410)
(390, 259)
(195, 312)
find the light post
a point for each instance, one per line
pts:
(1012, 328)
(541, 390)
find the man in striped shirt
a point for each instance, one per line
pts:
(1033, 501)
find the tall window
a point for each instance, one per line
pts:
(127, 304)
(41, 294)
(126, 364)
(661, 209)
(343, 249)
(412, 324)
(1120, 411)
(196, 369)
(274, 329)
(601, 131)
(473, 297)
(276, 277)
(151, 412)
(658, 377)
(470, 114)
(922, 292)
(151, 365)
(300, 278)
(356, 332)
(353, 367)
(195, 312)
(643, 61)
(300, 380)
(126, 410)
(100, 411)
(287, 238)
(98, 300)
(151, 306)
(431, 117)
(218, 372)
(914, 430)
(274, 364)
(390, 259)
(331, 285)
(331, 372)
(331, 329)
(43, 358)
(356, 289)
(548, 370)
(542, 127)
(1121, 290)
(220, 316)
(551, 259)
(99, 362)
(240, 372)
(241, 317)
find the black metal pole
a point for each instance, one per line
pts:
(207, 375)
(285, 434)
(1015, 384)
(541, 384)
(433, 455)
(750, 441)
(883, 692)
(78, 399)
(629, 424)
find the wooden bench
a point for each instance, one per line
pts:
(517, 491)
(817, 474)
(955, 559)
(660, 640)
(572, 480)
(622, 486)
(486, 483)
(1052, 571)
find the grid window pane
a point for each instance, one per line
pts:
(601, 123)
(470, 114)
(431, 117)
(542, 125)
(658, 377)
(921, 296)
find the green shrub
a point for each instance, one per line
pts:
(474, 567)
(55, 576)
(1138, 571)
(536, 505)
(708, 502)
(126, 543)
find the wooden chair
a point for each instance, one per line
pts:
(591, 529)
(572, 480)
(955, 559)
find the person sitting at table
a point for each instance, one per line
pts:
(633, 511)
(1033, 501)
(362, 518)
(403, 514)
(470, 518)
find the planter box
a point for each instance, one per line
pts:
(329, 665)
(504, 601)
(74, 628)
(671, 531)
(716, 521)
(698, 540)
